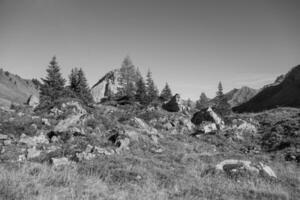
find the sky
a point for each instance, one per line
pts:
(191, 44)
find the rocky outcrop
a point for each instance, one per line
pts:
(33, 101)
(106, 86)
(285, 93)
(174, 105)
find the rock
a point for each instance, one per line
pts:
(33, 153)
(71, 121)
(209, 127)
(60, 161)
(207, 115)
(33, 101)
(22, 158)
(7, 142)
(3, 137)
(33, 141)
(174, 105)
(85, 156)
(267, 170)
(76, 107)
(34, 126)
(234, 166)
(139, 123)
(202, 116)
(46, 122)
(106, 152)
(108, 84)
(218, 120)
(168, 126)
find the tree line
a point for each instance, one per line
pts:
(133, 85)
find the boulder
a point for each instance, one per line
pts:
(46, 122)
(174, 105)
(202, 116)
(33, 153)
(208, 120)
(76, 107)
(33, 101)
(235, 166)
(3, 137)
(65, 124)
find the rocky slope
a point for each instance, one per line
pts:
(14, 89)
(237, 97)
(284, 93)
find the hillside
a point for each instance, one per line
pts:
(285, 92)
(14, 89)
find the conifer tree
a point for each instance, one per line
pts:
(152, 91)
(166, 93)
(79, 86)
(202, 102)
(52, 86)
(141, 95)
(222, 106)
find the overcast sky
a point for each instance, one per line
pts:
(192, 44)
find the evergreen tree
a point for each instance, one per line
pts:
(222, 106)
(129, 75)
(152, 91)
(79, 86)
(52, 86)
(166, 93)
(141, 95)
(202, 102)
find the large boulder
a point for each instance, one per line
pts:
(174, 105)
(232, 166)
(208, 120)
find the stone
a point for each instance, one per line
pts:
(33, 153)
(85, 156)
(33, 101)
(174, 105)
(267, 170)
(202, 116)
(7, 142)
(60, 161)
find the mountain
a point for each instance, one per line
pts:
(107, 85)
(285, 92)
(241, 96)
(14, 89)
(237, 97)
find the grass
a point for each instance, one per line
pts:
(182, 171)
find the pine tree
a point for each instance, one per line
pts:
(202, 102)
(141, 95)
(166, 93)
(79, 86)
(222, 106)
(152, 91)
(52, 86)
